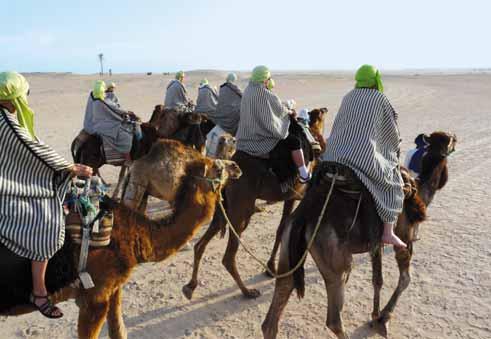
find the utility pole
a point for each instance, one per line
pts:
(101, 60)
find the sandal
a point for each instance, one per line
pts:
(47, 309)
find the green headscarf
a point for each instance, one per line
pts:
(99, 91)
(14, 88)
(179, 75)
(368, 76)
(260, 74)
(204, 82)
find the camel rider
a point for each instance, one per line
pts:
(176, 96)
(110, 95)
(365, 137)
(207, 98)
(104, 118)
(265, 120)
(414, 156)
(227, 113)
(33, 181)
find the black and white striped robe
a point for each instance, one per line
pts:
(33, 183)
(365, 137)
(264, 121)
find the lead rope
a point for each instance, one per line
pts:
(311, 241)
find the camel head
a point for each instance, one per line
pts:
(216, 172)
(223, 170)
(434, 172)
(166, 121)
(317, 117)
(226, 147)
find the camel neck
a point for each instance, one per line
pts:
(153, 241)
(432, 180)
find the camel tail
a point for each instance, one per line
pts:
(297, 246)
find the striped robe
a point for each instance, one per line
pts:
(207, 100)
(264, 121)
(176, 96)
(365, 137)
(33, 184)
(227, 114)
(104, 118)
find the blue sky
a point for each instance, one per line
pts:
(167, 35)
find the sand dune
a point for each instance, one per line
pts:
(449, 296)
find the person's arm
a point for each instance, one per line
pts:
(279, 109)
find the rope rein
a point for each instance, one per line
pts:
(310, 243)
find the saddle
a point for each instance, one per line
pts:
(106, 153)
(81, 211)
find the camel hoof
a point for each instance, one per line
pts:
(252, 294)
(188, 291)
(380, 326)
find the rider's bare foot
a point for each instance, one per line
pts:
(390, 238)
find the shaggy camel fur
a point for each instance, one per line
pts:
(257, 182)
(160, 172)
(136, 239)
(334, 244)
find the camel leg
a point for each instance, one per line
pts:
(122, 174)
(229, 258)
(287, 210)
(403, 257)
(91, 318)
(377, 281)
(115, 322)
(199, 250)
(334, 265)
(282, 290)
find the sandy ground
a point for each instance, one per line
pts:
(450, 292)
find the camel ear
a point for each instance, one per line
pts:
(233, 170)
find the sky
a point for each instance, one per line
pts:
(169, 35)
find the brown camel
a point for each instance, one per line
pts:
(159, 173)
(340, 236)
(257, 182)
(135, 240)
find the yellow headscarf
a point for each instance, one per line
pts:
(99, 91)
(14, 88)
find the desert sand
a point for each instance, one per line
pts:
(450, 292)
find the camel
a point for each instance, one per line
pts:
(159, 173)
(257, 182)
(340, 236)
(136, 239)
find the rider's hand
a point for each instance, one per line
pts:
(80, 170)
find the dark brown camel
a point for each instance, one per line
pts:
(257, 182)
(335, 242)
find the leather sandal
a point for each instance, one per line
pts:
(47, 309)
